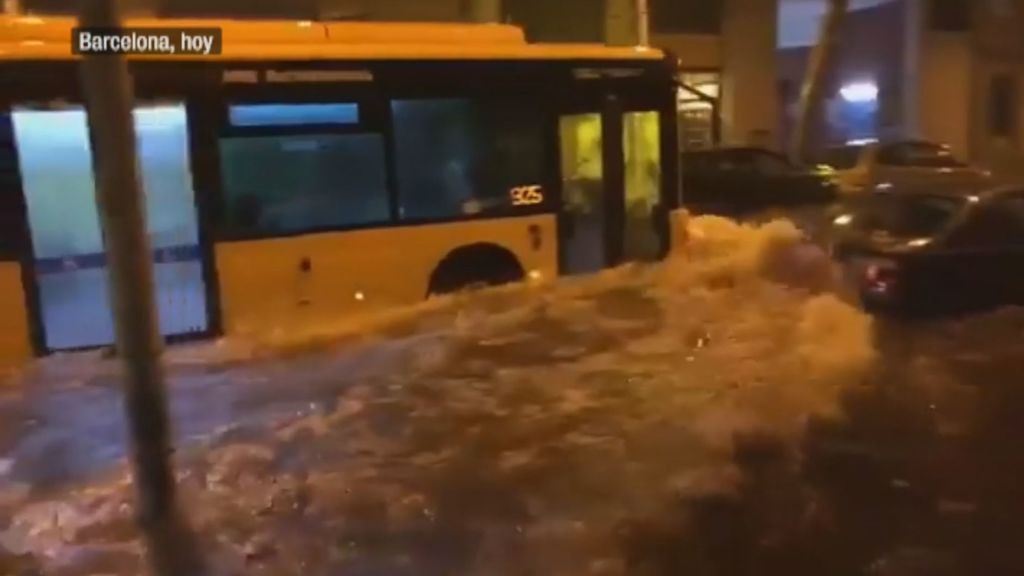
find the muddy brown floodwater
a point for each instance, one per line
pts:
(721, 413)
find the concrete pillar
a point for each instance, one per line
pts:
(485, 11)
(620, 22)
(643, 22)
(913, 36)
(750, 96)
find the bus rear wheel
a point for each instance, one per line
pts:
(473, 267)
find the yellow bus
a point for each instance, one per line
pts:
(316, 171)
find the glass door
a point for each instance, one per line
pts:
(171, 218)
(55, 162)
(56, 174)
(583, 221)
(613, 184)
(641, 149)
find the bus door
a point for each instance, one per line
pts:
(642, 198)
(612, 183)
(583, 216)
(69, 258)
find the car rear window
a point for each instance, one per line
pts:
(841, 157)
(914, 216)
(918, 154)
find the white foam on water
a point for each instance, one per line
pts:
(632, 382)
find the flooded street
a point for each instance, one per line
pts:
(721, 413)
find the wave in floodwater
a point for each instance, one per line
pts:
(503, 432)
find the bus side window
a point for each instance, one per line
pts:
(300, 168)
(461, 157)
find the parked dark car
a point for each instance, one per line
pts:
(934, 252)
(740, 181)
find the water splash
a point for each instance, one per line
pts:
(513, 428)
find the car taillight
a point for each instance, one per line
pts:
(880, 277)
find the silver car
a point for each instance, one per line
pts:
(879, 166)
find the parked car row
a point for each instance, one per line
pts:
(915, 229)
(878, 166)
(741, 181)
(930, 252)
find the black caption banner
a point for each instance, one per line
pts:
(185, 41)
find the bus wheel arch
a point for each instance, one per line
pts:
(475, 265)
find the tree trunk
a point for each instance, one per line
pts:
(108, 95)
(812, 95)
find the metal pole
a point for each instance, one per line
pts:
(108, 95)
(643, 23)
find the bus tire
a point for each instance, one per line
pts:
(475, 266)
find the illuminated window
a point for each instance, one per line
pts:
(698, 88)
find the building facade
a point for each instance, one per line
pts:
(725, 51)
(871, 54)
(725, 47)
(971, 70)
(727, 68)
(945, 70)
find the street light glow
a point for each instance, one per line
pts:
(843, 220)
(859, 92)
